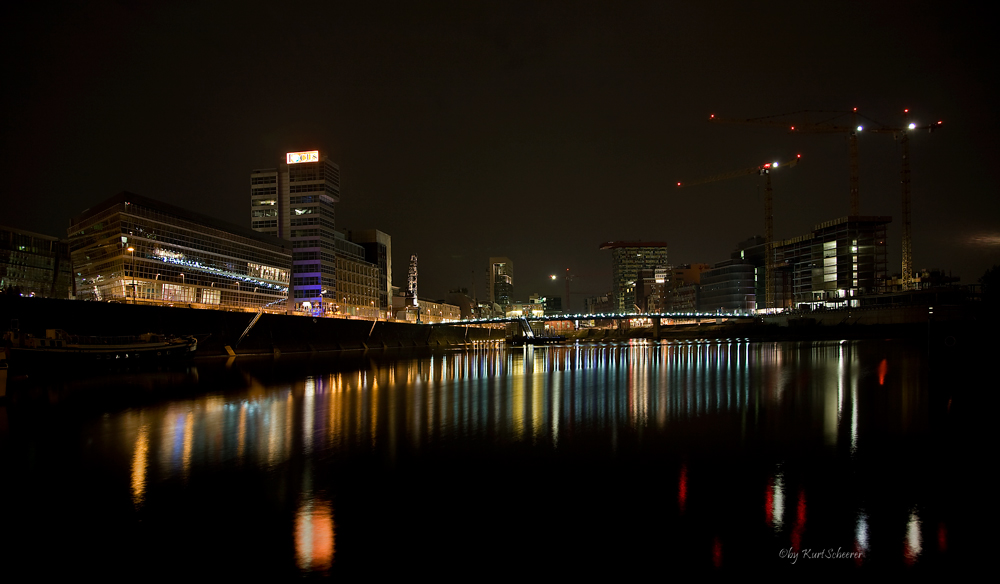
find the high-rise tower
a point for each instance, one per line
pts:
(296, 202)
(501, 281)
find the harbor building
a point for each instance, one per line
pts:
(834, 265)
(135, 249)
(628, 259)
(729, 286)
(32, 264)
(378, 251)
(356, 292)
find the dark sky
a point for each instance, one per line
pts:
(522, 129)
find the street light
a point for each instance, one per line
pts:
(131, 250)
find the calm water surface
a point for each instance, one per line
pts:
(468, 462)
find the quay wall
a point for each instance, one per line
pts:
(217, 329)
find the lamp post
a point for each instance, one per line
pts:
(131, 251)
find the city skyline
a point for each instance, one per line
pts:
(521, 131)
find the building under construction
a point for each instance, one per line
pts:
(835, 264)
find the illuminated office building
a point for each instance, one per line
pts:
(134, 249)
(628, 259)
(296, 202)
(834, 265)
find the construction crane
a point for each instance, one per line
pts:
(903, 135)
(762, 169)
(820, 127)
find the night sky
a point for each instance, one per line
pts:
(529, 130)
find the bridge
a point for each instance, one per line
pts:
(607, 316)
(655, 317)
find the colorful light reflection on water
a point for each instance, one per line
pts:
(692, 412)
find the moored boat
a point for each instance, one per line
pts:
(59, 348)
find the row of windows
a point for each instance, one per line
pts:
(307, 199)
(263, 202)
(263, 191)
(305, 172)
(300, 221)
(313, 255)
(264, 213)
(305, 268)
(264, 223)
(306, 188)
(325, 211)
(263, 180)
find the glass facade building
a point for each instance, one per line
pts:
(831, 267)
(628, 258)
(134, 249)
(729, 286)
(32, 264)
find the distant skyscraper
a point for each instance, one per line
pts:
(628, 258)
(501, 281)
(296, 202)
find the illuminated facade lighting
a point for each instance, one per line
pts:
(178, 258)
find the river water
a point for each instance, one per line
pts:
(625, 459)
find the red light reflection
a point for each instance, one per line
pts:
(682, 488)
(800, 522)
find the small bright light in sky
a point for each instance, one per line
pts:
(860, 128)
(912, 126)
(553, 276)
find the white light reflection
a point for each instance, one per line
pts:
(309, 406)
(861, 532)
(912, 547)
(775, 503)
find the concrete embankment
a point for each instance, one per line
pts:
(217, 329)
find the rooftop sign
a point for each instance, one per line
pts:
(297, 157)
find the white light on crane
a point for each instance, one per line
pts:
(911, 126)
(860, 128)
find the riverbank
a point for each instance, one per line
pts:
(218, 329)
